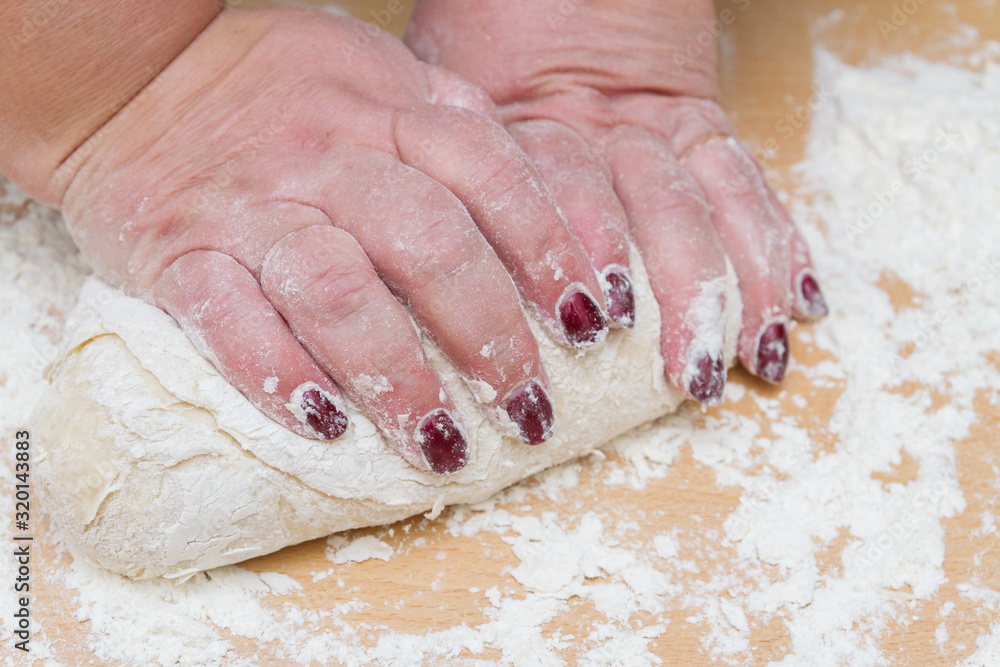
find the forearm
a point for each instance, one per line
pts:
(67, 67)
(516, 49)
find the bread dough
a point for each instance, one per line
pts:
(154, 465)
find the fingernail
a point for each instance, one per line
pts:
(442, 443)
(620, 297)
(529, 407)
(582, 320)
(322, 415)
(709, 381)
(772, 352)
(812, 296)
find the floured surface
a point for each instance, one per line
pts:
(850, 518)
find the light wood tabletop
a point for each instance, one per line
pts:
(767, 72)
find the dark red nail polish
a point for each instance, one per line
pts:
(709, 382)
(813, 297)
(582, 320)
(442, 443)
(772, 353)
(530, 408)
(322, 415)
(620, 298)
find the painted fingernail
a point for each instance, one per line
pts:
(812, 297)
(321, 414)
(529, 407)
(582, 320)
(772, 352)
(442, 443)
(620, 298)
(708, 381)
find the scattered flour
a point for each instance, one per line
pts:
(901, 172)
(342, 550)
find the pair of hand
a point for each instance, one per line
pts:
(280, 191)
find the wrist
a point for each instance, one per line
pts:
(60, 83)
(539, 48)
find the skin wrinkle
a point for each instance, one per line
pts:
(512, 176)
(623, 50)
(184, 112)
(437, 245)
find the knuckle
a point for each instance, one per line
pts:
(444, 254)
(189, 276)
(498, 184)
(213, 299)
(339, 286)
(341, 297)
(683, 198)
(318, 269)
(737, 177)
(452, 90)
(438, 132)
(702, 117)
(710, 113)
(468, 118)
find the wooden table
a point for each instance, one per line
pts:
(766, 74)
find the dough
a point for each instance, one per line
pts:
(153, 465)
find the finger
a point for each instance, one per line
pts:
(480, 163)
(757, 242)
(684, 257)
(580, 181)
(265, 223)
(322, 283)
(449, 89)
(223, 311)
(809, 302)
(767, 252)
(427, 249)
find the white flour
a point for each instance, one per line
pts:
(902, 165)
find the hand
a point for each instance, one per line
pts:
(619, 118)
(276, 190)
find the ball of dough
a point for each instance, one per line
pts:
(153, 465)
